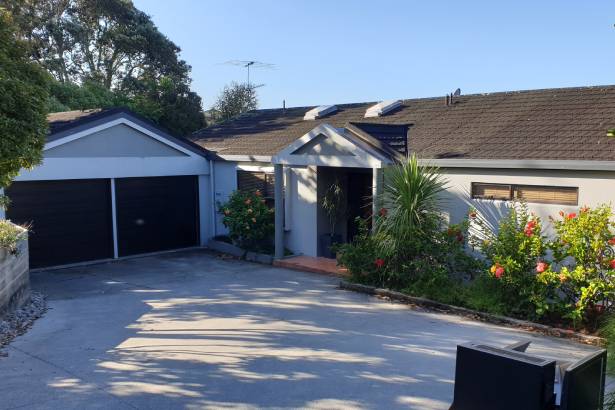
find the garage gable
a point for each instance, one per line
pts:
(119, 140)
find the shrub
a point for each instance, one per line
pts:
(583, 267)
(513, 252)
(408, 248)
(10, 235)
(249, 220)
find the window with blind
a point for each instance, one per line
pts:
(528, 193)
(252, 181)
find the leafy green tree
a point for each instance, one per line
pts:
(115, 54)
(235, 99)
(23, 106)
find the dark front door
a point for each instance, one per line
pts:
(70, 221)
(359, 199)
(156, 213)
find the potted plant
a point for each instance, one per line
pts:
(333, 205)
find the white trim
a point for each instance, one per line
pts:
(114, 219)
(245, 158)
(109, 124)
(256, 168)
(212, 186)
(116, 167)
(287, 198)
(522, 164)
(363, 156)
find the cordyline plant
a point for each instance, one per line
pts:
(248, 219)
(412, 200)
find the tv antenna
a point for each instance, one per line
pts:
(251, 63)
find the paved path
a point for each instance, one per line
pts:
(188, 330)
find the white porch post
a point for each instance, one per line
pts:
(279, 210)
(377, 182)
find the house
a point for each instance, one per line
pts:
(111, 184)
(549, 148)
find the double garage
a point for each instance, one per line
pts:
(111, 185)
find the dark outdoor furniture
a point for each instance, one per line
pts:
(493, 378)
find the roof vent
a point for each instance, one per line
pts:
(319, 112)
(382, 108)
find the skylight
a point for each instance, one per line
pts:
(382, 108)
(319, 112)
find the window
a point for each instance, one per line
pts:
(527, 193)
(251, 181)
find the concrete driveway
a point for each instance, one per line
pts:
(188, 330)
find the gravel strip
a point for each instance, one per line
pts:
(19, 321)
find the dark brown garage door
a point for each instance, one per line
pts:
(156, 213)
(70, 219)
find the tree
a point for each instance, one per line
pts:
(23, 106)
(235, 99)
(110, 45)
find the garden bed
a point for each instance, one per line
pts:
(473, 314)
(236, 251)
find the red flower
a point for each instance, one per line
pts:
(528, 232)
(571, 215)
(612, 241)
(541, 267)
(612, 264)
(257, 193)
(379, 263)
(499, 272)
(531, 224)
(383, 212)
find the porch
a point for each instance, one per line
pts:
(310, 166)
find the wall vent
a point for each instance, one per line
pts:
(382, 108)
(319, 112)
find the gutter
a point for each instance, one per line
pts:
(572, 165)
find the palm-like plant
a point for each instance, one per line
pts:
(412, 198)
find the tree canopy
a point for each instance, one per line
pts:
(105, 53)
(235, 99)
(23, 106)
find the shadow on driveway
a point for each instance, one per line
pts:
(189, 330)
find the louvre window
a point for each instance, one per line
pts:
(252, 181)
(527, 193)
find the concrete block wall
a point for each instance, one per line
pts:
(14, 278)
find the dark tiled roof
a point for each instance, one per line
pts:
(61, 120)
(552, 124)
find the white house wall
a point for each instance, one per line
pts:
(595, 188)
(303, 235)
(225, 182)
(120, 140)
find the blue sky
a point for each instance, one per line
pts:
(351, 51)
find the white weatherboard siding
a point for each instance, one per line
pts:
(595, 188)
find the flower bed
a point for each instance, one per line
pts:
(565, 279)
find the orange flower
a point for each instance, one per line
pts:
(562, 278)
(541, 267)
(612, 241)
